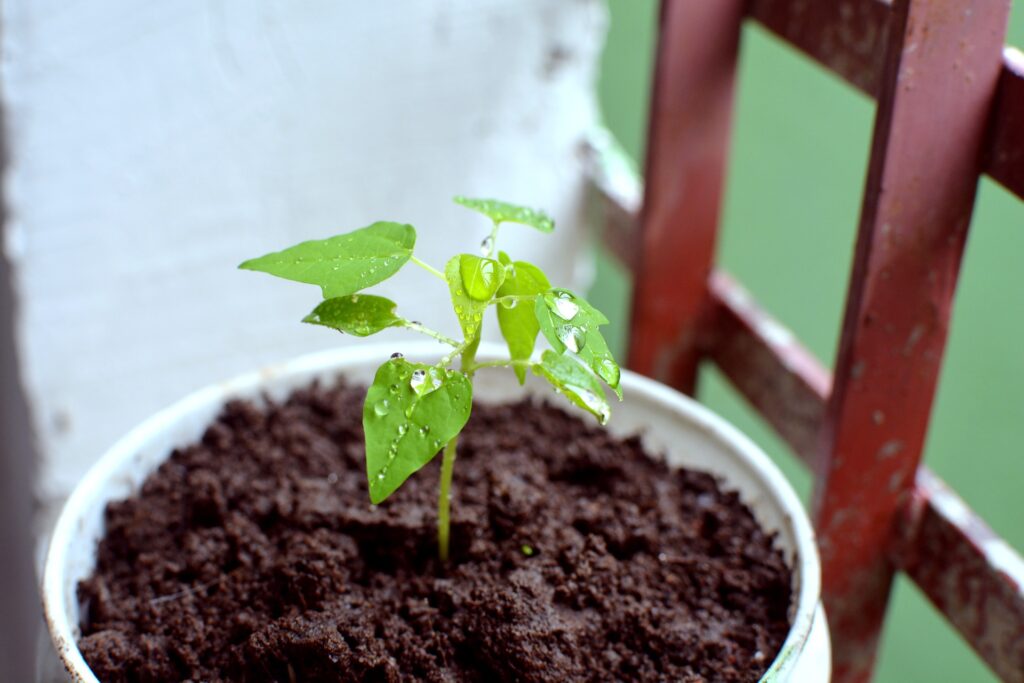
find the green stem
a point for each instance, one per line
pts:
(446, 361)
(423, 329)
(427, 267)
(492, 240)
(444, 496)
(507, 363)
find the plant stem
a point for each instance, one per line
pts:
(445, 497)
(507, 363)
(427, 267)
(423, 329)
(492, 240)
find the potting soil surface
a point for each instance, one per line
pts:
(255, 555)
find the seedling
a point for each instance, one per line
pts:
(415, 410)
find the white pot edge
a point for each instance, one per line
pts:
(805, 655)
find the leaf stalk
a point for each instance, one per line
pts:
(427, 267)
(423, 329)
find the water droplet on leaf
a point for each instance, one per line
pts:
(396, 355)
(381, 408)
(609, 371)
(479, 276)
(418, 379)
(573, 337)
(562, 304)
(486, 246)
(594, 403)
(426, 381)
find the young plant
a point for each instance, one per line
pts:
(415, 410)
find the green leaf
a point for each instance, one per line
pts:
(570, 323)
(343, 264)
(518, 322)
(472, 281)
(503, 212)
(481, 277)
(360, 314)
(576, 381)
(411, 411)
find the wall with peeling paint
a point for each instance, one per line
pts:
(156, 145)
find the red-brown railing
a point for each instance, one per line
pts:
(950, 107)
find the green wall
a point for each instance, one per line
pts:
(797, 169)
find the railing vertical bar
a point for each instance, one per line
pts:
(688, 142)
(941, 71)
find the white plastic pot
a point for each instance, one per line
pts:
(669, 422)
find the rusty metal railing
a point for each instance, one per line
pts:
(950, 108)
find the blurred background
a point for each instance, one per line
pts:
(799, 153)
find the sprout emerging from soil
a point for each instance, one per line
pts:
(415, 410)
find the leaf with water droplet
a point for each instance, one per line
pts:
(503, 212)
(359, 315)
(519, 324)
(570, 323)
(343, 264)
(575, 381)
(470, 279)
(425, 381)
(394, 443)
(481, 277)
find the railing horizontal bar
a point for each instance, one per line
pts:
(763, 359)
(1004, 160)
(970, 574)
(847, 38)
(614, 194)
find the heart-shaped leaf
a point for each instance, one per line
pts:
(411, 411)
(359, 314)
(575, 380)
(343, 264)
(517, 319)
(503, 212)
(570, 323)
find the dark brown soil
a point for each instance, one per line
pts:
(256, 556)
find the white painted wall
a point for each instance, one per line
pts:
(154, 145)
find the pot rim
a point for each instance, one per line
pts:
(805, 561)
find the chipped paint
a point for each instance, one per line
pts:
(889, 449)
